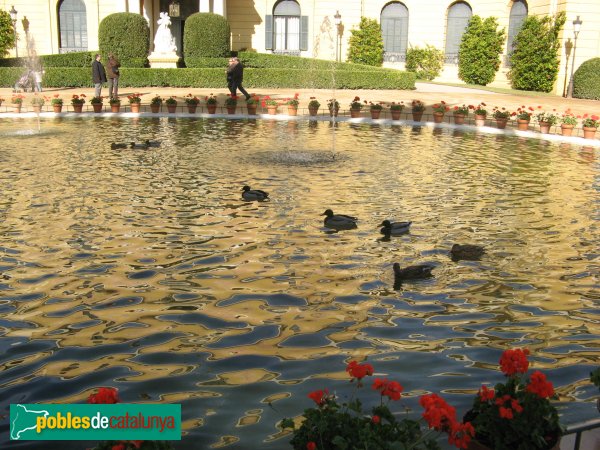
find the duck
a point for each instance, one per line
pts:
(416, 272)
(116, 145)
(150, 143)
(339, 221)
(466, 251)
(254, 194)
(140, 145)
(394, 228)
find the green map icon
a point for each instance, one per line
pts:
(24, 419)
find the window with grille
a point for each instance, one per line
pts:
(518, 14)
(459, 15)
(286, 29)
(72, 23)
(394, 28)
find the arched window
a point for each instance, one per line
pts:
(459, 15)
(518, 14)
(394, 28)
(286, 29)
(72, 25)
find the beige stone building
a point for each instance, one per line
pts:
(312, 28)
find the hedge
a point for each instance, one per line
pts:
(205, 35)
(586, 80)
(215, 78)
(266, 60)
(75, 59)
(127, 35)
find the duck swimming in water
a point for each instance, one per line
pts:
(394, 228)
(116, 145)
(253, 194)
(339, 221)
(417, 272)
(138, 145)
(150, 143)
(466, 251)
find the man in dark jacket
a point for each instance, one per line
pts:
(235, 76)
(98, 75)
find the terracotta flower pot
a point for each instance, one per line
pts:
(459, 119)
(154, 108)
(115, 108)
(417, 115)
(354, 113)
(17, 107)
(97, 107)
(438, 117)
(36, 108)
(589, 132)
(212, 108)
(522, 124)
(545, 127)
(78, 108)
(135, 107)
(333, 112)
(292, 110)
(231, 109)
(272, 109)
(57, 108)
(192, 108)
(172, 108)
(501, 123)
(480, 120)
(313, 110)
(375, 113)
(251, 109)
(566, 130)
(396, 114)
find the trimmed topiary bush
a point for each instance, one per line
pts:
(535, 58)
(366, 43)
(127, 35)
(480, 50)
(586, 80)
(426, 62)
(206, 35)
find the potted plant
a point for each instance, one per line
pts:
(292, 104)
(567, 123)
(252, 103)
(115, 104)
(171, 103)
(211, 103)
(17, 102)
(396, 110)
(517, 413)
(155, 103)
(546, 120)
(439, 109)
(57, 103)
(523, 118)
(501, 115)
(417, 110)
(355, 107)
(313, 106)
(461, 113)
(590, 125)
(271, 104)
(192, 103)
(375, 110)
(97, 102)
(331, 424)
(231, 103)
(37, 101)
(334, 107)
(77, 101)
(135, 100)
(480, 114)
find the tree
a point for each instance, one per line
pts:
(7, 33)
(480, 50)
(366, 43)
(535, 58)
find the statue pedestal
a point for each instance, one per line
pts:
(163, 60)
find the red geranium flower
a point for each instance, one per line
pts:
(319, 397)
(359, 371)
(540, 386)
(514, 361)
(104, 396)
(311, 446)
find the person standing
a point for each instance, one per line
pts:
(38, 74)
(235, 77)
(98, 75)
(112, 72)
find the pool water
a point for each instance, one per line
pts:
(144, 269)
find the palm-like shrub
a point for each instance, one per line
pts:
(366, 43)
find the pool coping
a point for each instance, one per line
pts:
(321, 118)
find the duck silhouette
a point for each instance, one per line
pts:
(138, 145)
(417, 272)
(150, 143)
(466, 251)
(116, 145)
(339, 221)
(254, 194)
(394, 228)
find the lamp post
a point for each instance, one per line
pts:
(576, 28)
(338, 40)
(13, 17)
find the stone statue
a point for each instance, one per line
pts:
(164, 42)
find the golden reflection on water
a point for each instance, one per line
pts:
(145, 268)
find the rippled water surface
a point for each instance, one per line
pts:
(144, 269)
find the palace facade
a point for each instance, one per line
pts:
(312, 28)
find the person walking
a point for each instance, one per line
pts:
(98, 75)
(235, 77)
(112, 72)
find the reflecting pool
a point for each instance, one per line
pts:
(144, 269)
